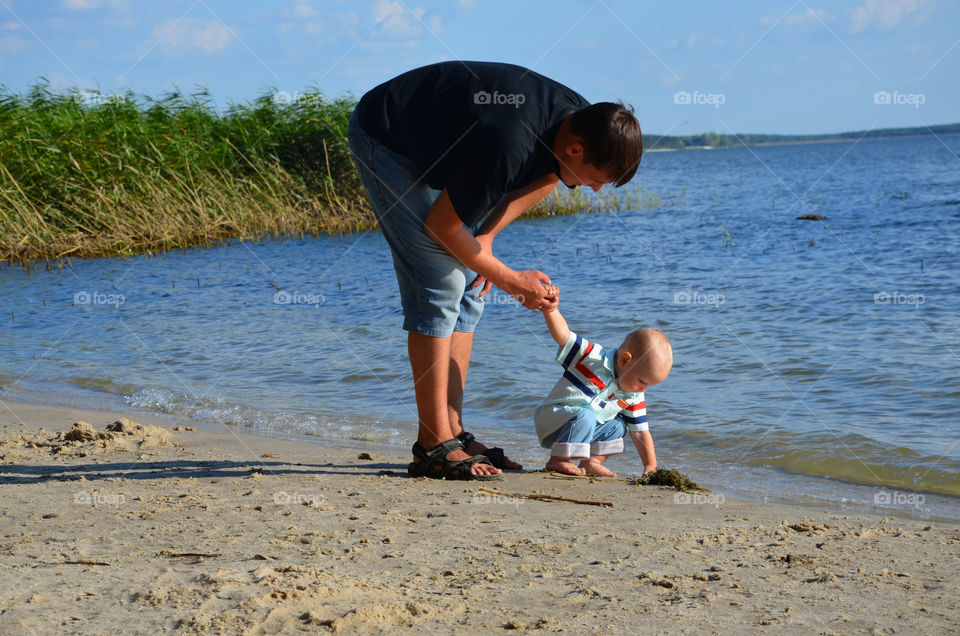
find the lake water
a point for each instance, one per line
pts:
(816, 361)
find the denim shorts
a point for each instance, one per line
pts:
(433, 284)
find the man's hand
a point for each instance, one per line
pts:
(476, 252)
(528, 288)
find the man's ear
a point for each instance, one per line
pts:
(575, 149)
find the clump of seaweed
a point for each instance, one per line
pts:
(671, 478)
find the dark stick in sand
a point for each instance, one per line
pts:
(586, 502)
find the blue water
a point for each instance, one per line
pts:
(814, 359)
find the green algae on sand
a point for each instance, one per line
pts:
(672, 478)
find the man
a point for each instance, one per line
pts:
(449, 155)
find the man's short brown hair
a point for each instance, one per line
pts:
(612, 139)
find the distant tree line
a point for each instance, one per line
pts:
(722, 140)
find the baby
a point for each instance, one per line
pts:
(600, 398)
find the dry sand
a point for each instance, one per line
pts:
(147, 529)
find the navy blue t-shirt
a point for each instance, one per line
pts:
(478, 129)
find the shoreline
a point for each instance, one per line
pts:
(756, 484)
(203, 532)
(806, 142)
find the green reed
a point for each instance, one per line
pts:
(90, 175)
(633, 196)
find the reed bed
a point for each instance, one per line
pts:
(633, 196)
(84, 174)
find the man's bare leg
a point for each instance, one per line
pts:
(593, 465)
(430, 362)
(461, 345)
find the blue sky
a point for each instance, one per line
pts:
(786, 66)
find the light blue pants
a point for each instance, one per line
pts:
(581, 436)
(433, 284)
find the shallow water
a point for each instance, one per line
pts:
(813, 359)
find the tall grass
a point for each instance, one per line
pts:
(633, 196)
(84, 174)
(127, 174)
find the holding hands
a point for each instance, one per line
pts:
(551, 298)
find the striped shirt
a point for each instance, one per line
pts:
(589, 381)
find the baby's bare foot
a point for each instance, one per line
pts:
(596, 468)
(565, 467)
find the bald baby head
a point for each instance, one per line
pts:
(644, 359)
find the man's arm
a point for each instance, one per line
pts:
(445, 227)
(517, 202)
(644, 443)
(512, 206)
(557, 325)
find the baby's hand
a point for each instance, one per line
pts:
(550, 299)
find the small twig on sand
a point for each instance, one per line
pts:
(81, 562)
(539, 497)
(199, 555)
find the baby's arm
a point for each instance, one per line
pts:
(644, 443)
(557, 325)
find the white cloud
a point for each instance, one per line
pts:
(469, 5)
(81, 5)
(13, 45)
(396, 20)
(384, 49)
(86, 5)
(86, 44)
(209, 36)
(10, 26)
(346, 20)
(122, 22)
(884, 14)
(61, 82)
(800, 20)
(669, 79)
(303, 9)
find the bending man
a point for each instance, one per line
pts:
(449, 155)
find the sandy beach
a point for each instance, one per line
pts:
(148, 527)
